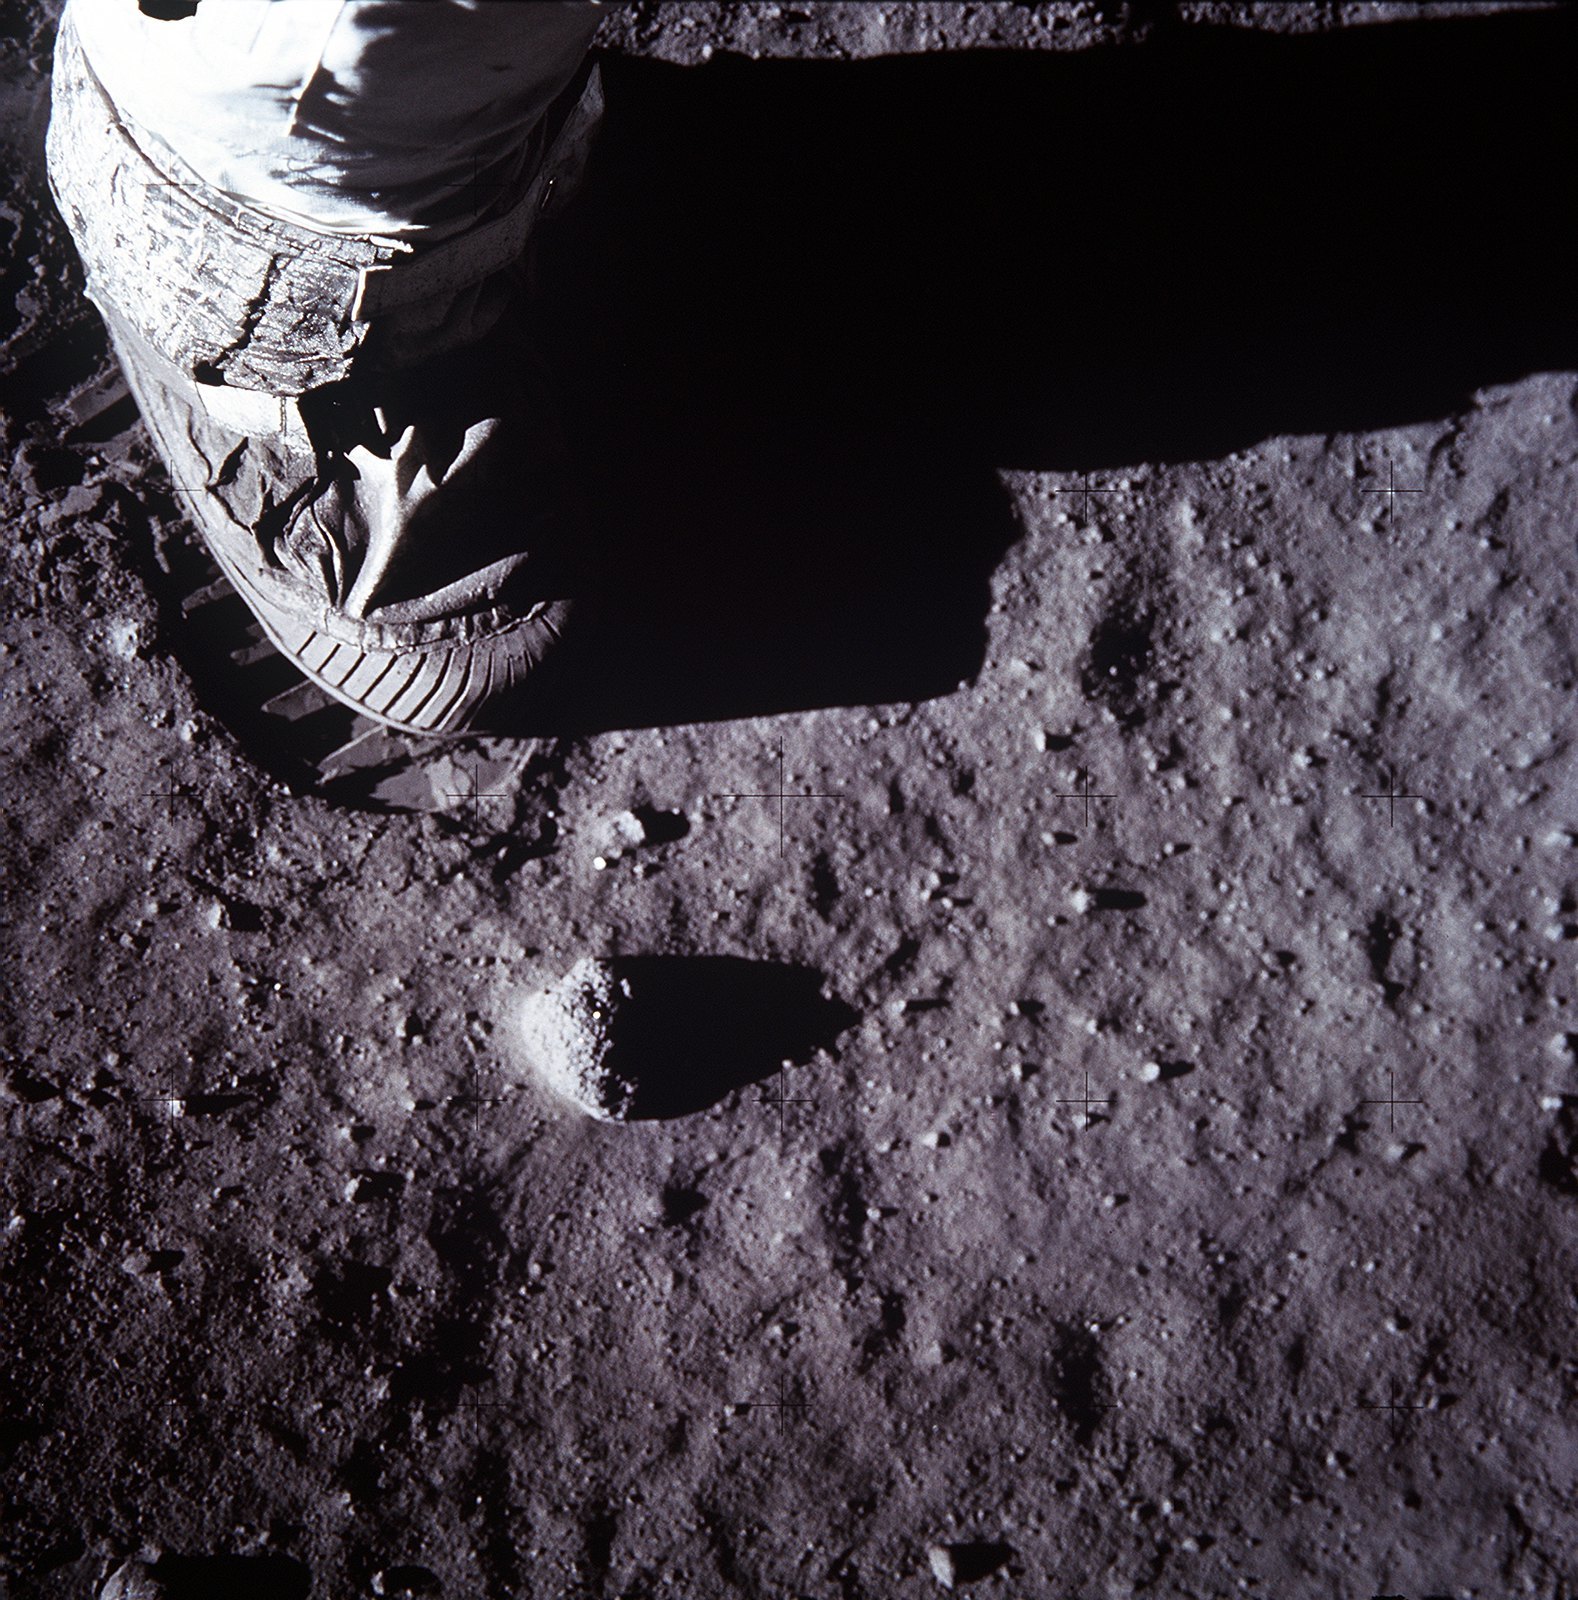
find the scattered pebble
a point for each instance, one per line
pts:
(916, 1004)
(397, 1582)
(625, 830)
(139, 1264)
(125, 638)
(134, 1580)
(953, 1564)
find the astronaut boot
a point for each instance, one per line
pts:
(356, 426)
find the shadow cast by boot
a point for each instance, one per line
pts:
(806, 312)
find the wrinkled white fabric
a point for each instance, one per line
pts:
(400, 118)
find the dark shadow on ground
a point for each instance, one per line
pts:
(700, 1027)
(806, 310)
(234, 1577)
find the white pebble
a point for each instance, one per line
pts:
(134, 1580)
(125, 638)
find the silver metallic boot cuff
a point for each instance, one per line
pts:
(235, 297)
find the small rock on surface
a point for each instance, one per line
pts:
(406, 1581)
(625, 831)
(570, 1031)
(954, 1564)
(133, 1580)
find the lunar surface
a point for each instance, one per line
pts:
(1074, 755)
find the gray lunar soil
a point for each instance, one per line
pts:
(1098, 1116)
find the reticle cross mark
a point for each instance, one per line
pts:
(1085, 1102)
(1397, 1410)
(783, 796)
(174, 1104)
(1391, 1101)
(475, 1099)
(171, 792)
(1083, 792)
(783, 1099)
(473, 797)
(783, 1406)
(1390, 490)
(1083, 491)
(1391, 794)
